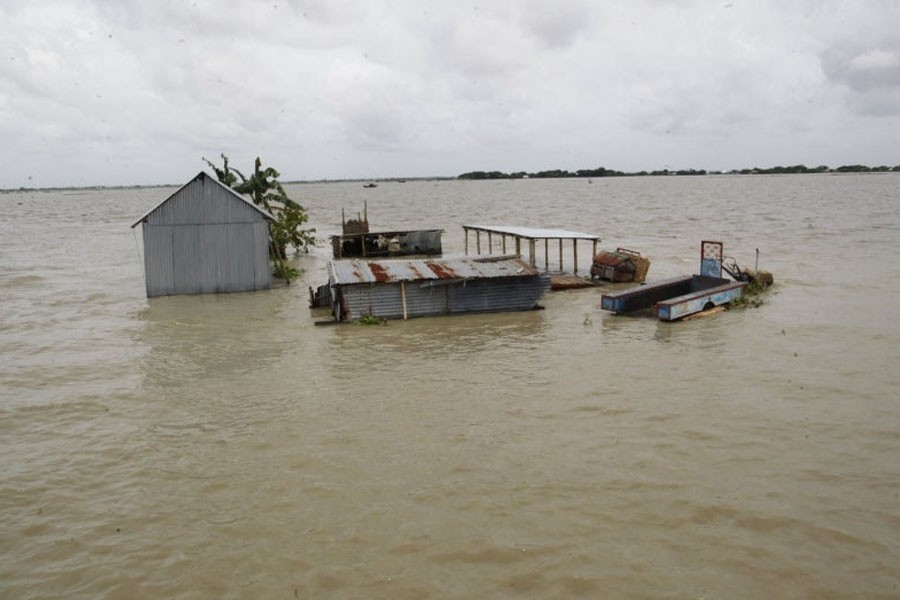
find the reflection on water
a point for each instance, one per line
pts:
(441, 338)
(227, 335)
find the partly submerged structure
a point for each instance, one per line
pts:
(531, 236)
(679, 297)
(407, 288)
(205, 238)
(356, 241)
(620, 266)
(422, 242)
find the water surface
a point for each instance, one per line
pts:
(224, 446)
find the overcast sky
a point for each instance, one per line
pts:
(119, 92)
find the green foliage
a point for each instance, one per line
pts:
(266, 191)
(484, 175)
(750, 296)
(286, 272)
(603, 172)
(370, 320)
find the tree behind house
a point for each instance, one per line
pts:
(266, 192)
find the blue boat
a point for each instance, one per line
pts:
(682, 296)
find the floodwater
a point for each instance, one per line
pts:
(226, 447)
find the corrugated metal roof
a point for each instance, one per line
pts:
(347, 272)
(611, 259)
(202, 175)
(535, 233)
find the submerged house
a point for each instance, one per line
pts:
(406, 288)
(205, 238)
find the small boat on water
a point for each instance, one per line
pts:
(679, 297)
(370, 185)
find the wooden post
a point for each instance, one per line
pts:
(546, 254)
(478, 242)
(560, 256)
(575, 253)
(490, 243)
(403, 297)
(466, 229)
(531, 252)
(504, 243)
(518, 246)
(594, 251)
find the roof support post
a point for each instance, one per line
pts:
(466, 229)
(504, 243)
(490, 243)
(560, 256)
(575, 254)
(531, 251)
(403, 298)
(546, 254)
(518, 246)
(478, 242)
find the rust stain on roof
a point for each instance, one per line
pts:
(609, 259)
(379, 272)
(442, 271)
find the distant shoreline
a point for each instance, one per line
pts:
(603, 172)
(491, 175)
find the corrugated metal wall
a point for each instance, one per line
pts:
(205, 240)
(502, 294)
(203, 201)
(424, 299)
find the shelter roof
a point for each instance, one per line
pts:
(534, 233)
(201, 175)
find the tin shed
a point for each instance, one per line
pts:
(406, 288)
(205, 238)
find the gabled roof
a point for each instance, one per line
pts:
(204, 175)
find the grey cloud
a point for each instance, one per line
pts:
(871, 75)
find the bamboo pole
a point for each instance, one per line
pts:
(403, 297)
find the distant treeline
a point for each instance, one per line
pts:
(602, 172)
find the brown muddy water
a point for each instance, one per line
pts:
(225, 447)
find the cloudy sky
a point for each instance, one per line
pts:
(119, 92)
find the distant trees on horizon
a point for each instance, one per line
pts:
(603, 172)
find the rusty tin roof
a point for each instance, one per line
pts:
(354, 271)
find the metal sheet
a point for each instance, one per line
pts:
(356, 271)
(535, 233)
(204, 200)
(205, 239)
(432, 297)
